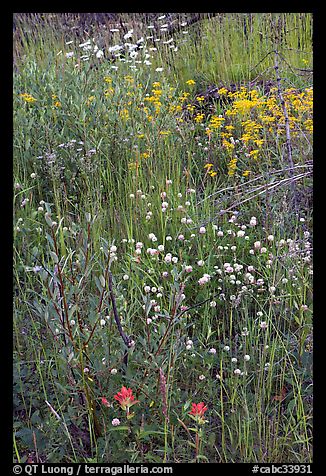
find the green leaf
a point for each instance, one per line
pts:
(54, 256)
(119, 428)
(48, 219)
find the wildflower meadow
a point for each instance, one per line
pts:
(162, 213)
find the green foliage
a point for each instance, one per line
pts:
(153, 178)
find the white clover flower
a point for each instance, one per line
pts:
(263, 325)
(213, 304)
(113, 371)
(246, 358)
(226, 348)
(147, 289)
(234, 360)
(125, 277)
(72, 322)
(241, 233)
(168, 238)
(181, 237)
(115, 422)
(204, 279)
(200, 262)
(165, 274)
(160, 248)
(253, 221)
(202, 377)
(237, 372)
(212, 351)
(202, 230)
(102, 322)
(220, 233)
(174, 259)
(168, 258)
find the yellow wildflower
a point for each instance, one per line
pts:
(222, 91)
(199, 118)
(254, 153)
(28, 98)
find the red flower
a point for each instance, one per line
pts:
(125, 398)
(198, 409)
(197, 412)
(105, 402)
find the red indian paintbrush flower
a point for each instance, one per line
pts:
(197, 412)
(125, 398)
(105, 402)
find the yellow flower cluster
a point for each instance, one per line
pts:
(124, 114)
(251, 132)
(199, 118)
(210, 170)
(222, 91)
(155, 98)
(56, 102)
(216, 122)
(28, 97)
(232, 166)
